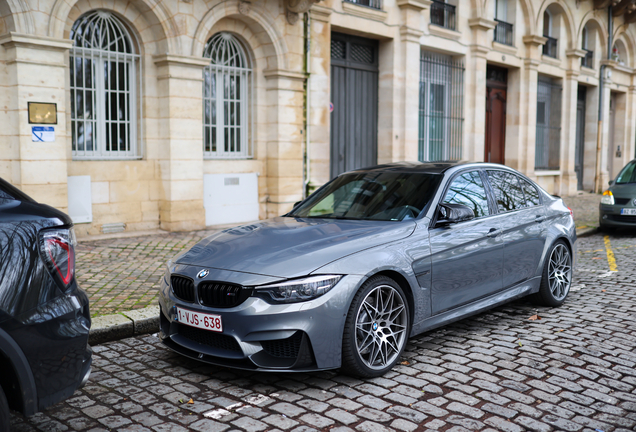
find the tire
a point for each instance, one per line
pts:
(556, 276)
(375, 334)
(4, 412)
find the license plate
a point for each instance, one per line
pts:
(200, 320)
(628, 211)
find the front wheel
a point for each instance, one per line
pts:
(557, 276)
(376, 329)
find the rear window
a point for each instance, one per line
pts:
(9, 192)
(507, 190)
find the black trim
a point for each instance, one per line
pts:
(28, 391)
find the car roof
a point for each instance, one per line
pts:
(427, 167)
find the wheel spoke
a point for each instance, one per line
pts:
(381, 325)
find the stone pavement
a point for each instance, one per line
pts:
(122, 274)
(571, 368)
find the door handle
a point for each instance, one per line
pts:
(539, 218)
(494, 232)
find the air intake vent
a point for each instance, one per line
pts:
(222, 295)
(284, 348)
(211, 339)
(182, 287)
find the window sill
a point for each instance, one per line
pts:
(228, 158)
(503, 48)
(550, 60)
(364, 11)
(547, 173)
(444, 32)
(588, 71)
(102, 158)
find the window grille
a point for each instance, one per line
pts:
(441, 103)
(548, 140)
(105, 70)
(550, 47)
(588, 60)
(227, 99)
(503, 32)
(375, 4)
(443, 14)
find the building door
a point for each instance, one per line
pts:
(496, 82)
(354, 95)
(579, 151)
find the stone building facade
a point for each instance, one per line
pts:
(177, 114)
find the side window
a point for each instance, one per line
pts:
(508, 192)
(469, 190)
(531, 192)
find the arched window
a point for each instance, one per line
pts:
(105, 68)
(227, 87)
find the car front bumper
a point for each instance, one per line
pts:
(258, 335)
(610, 216)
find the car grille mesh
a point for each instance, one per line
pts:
(182, 287)
(222, 295)
(621, 201)
(284, 348)
(622, 218)
(211, 339)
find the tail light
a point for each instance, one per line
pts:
(571, 212)
(57, 250)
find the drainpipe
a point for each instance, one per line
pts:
(307, 107)
(598, 187)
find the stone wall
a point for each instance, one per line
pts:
(163, 187)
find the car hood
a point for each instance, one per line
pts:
(624, 190)
(288, 247)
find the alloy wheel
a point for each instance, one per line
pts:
(381, 324)
(560, 271)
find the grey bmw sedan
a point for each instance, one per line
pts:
(372, 258)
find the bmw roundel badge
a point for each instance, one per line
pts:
(203, 273)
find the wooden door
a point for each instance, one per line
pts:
(495, 148)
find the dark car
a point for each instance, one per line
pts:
(618, 203)
(44, 315)
(373, 257)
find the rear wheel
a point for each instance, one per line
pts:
(376, 329)
(4, 412)
(557, 276)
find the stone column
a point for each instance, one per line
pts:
(284, 141)
(320, 96)
(37, 72)
(522, 156)
(569, 183)
(601, 159)
(410, 34)
(180, 158)
(475, 91)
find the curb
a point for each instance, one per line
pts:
(585, 232)
(121, 325)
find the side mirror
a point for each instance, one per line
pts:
(611, 182)
(453, 213)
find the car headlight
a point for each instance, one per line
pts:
(298, 290)
(607, 198)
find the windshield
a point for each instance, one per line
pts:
(386, 196)
(627, 174)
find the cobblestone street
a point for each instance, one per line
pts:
(570, 369)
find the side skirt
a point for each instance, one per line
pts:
(523, 289)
